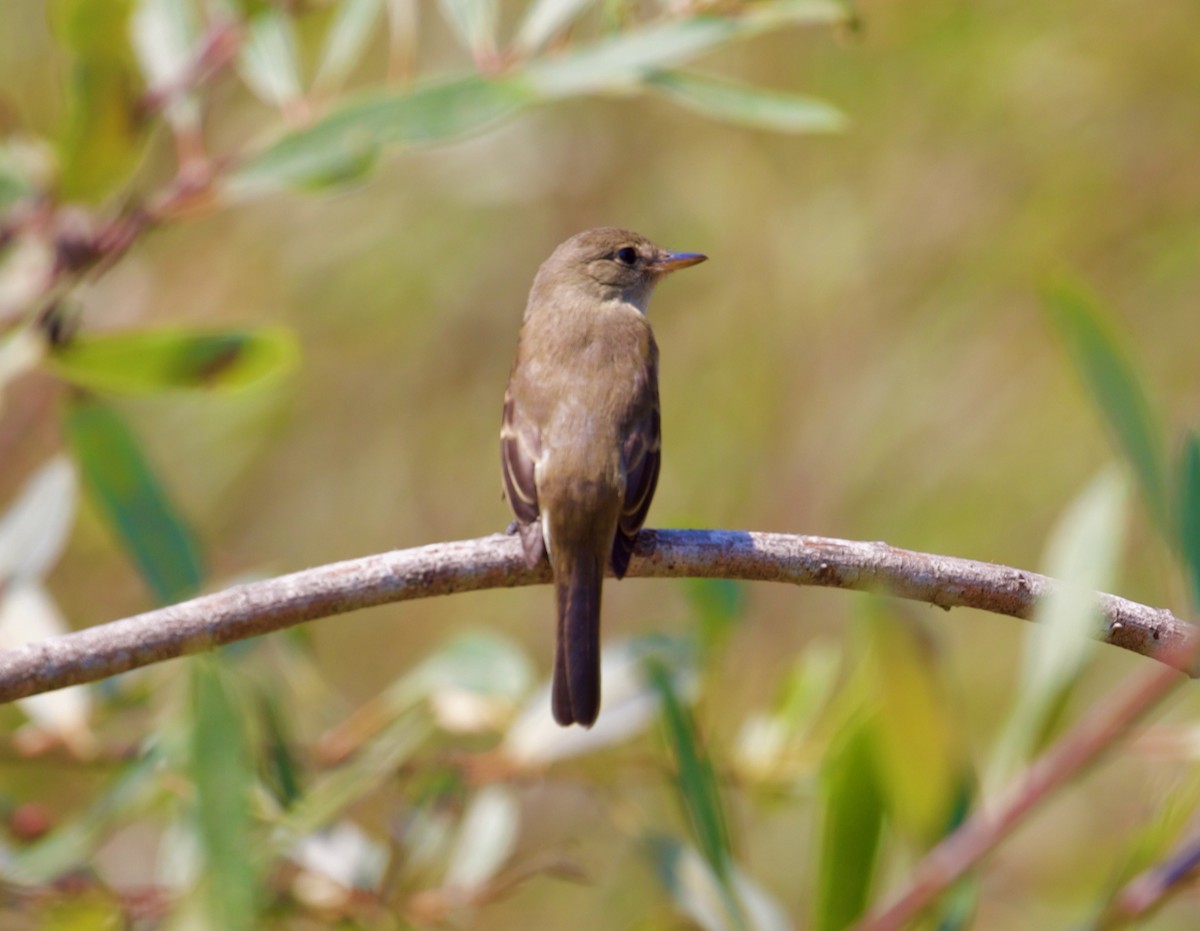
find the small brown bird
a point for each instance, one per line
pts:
(579, 443)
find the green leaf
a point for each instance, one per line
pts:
(269, 60)
(1116, 389)
(350, 137)
(222, 769)
(625, 59)
(1082, 556)
(102, 135)
(474, 22)
(152, 361)
(919, 754)
(1189, 510)
(122, 486)
(746, 105)
(852, 826)
(352, 28)
(695, 781)
(543, 20)
(720, 604)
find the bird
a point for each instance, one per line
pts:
(580, 435)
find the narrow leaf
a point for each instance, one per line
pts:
(164, 34)
(696, 783)
(486, 838)
(543, 20)
(223, 773)
(698, 894)
(269, 60)
(122, 486)
(152, 361)
(720, 605)
(350, 137)
(102, 135)
(34, 529)
(852, 826)
(746, 105)
(1116, 389)
(627, 58)
(474, 22)
(920, 760)
(29, 615)
(1082, 556)
(1189, 507)
(352, 28)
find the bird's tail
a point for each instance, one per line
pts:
(576, 689)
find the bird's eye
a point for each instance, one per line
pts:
(627, 256)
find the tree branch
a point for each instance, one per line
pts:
(496, 561)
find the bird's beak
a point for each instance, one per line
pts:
(673, 261)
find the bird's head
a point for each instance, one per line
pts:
(611, 264)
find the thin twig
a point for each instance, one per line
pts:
(1147, 892)
(496, 561)
(1097, 732)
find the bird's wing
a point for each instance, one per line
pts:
(640, 460)
(519, 448)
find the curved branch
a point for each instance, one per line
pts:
(496, 561)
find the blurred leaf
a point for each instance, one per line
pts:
(1081, 555)
(353, 26)
(35, 527)
(349, 137)
(124, 489)
(222, 769)
(543, 20)
(164, 35)
(269, 61)
(851, 829)
(376, 762)
(920, 760)
(627, 58)
(486, 839)
(73, 845)
(697, 892)
(29, 615)
(27, 166)
(102, 135)
(696, 782)
(720, 604)
(1116, 389)
(746, 105)
(152, 361)
(1153, 841)
(474, 22)
(629, 705)
(624, 60)
(770, 746)
(472, 683)
(282, 773)
(1189, 510)
(345, 854)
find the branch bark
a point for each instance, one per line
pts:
(496, 561)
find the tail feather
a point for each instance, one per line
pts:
(575, 697)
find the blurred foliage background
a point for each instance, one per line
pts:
(865, 355)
